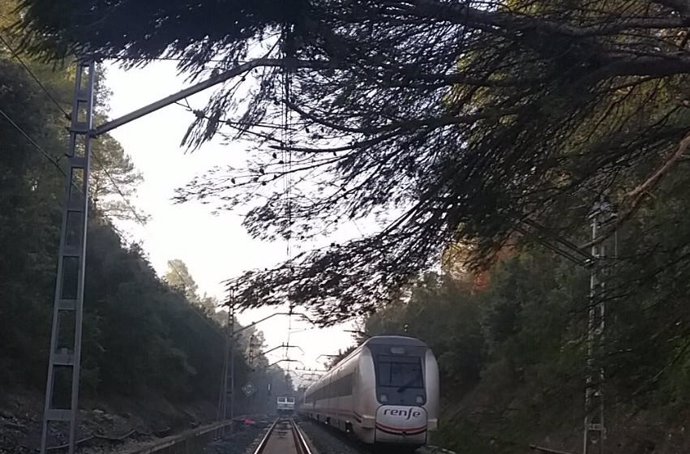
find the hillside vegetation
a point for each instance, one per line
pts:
(492, 126)
(145, 338)
(512, 351)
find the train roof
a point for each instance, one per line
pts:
(374, 340)
(398, 340)
(384, 340)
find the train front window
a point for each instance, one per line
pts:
(400, 380)
(399, 372)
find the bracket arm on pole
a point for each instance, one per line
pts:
(189, 91)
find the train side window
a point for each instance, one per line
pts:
(336, 388)
(347, 384)
(344, 385)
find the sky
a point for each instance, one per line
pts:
(214, 246)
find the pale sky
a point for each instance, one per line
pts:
(214, 247)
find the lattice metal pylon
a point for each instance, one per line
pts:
(594, 427)
(227, 410)
(62, 387)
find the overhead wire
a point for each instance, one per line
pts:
(67, 115)
(15, 54)
(53, 160)
(45, 154)
(119, 191)
(286, 156)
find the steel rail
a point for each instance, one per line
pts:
(267, 436)
(301, 445)
(300, 440)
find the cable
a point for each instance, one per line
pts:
(53, 160)
(112, 181)
(43, 152)
(33, 76)
(33, 142)
(286, 155)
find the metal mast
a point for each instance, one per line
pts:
(228, 386)
(231, 337)
(62, 384)
(62, 387)
(594, 428)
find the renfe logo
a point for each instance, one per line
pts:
(407, 414)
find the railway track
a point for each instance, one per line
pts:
(284, 437)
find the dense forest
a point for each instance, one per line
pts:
(488, 128)
(512, 347)
(144, 335)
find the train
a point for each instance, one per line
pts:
(285, 405)
(386, 392)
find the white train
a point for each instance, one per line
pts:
(285, 405)
(385, 392)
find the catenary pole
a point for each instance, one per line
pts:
(64, 360)
(594, 424)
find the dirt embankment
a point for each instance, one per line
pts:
(112, 418)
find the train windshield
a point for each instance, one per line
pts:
(399, 372)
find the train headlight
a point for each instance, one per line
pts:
(420, 399)
(384, 398)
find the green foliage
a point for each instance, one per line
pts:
(114, 179)
(141, 335)
(179, 278)
(444, 314)
(29, 189)
(476, 120)
(513, 357)
(153, 28)
(144, 335)
(480, 122)
(506, 356)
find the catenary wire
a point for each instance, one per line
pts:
(15, 54)
(45, 154)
